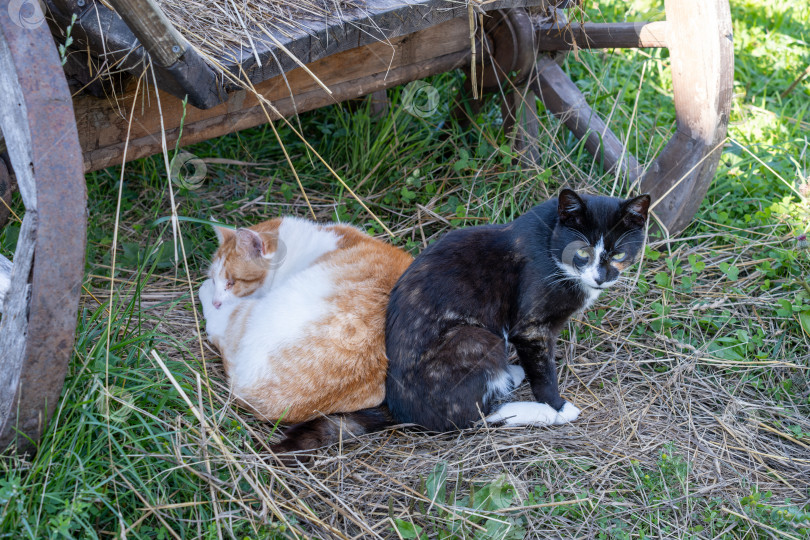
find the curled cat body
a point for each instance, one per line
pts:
(297, 311)
(455, 311)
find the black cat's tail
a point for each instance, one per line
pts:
(330, 429)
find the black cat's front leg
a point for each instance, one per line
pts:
(536, 355)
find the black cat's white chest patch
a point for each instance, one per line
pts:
(591, 295)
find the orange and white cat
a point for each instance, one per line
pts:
(297, 310)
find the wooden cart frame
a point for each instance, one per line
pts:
(53, 138)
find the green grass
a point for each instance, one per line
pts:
(125, 456)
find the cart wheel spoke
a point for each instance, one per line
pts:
(698, 35)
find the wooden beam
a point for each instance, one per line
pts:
(103, 125)
(702, 64)
(556, 37)
(563, 98)
(159, 37)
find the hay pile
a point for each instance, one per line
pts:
(659, 416)
(236, 25)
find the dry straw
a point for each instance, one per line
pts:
(232, 27)
(641, 397)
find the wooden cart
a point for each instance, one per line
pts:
(53, 138)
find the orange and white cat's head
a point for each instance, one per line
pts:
(242, 263)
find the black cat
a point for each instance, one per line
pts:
(453, 313)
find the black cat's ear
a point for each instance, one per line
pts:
(634, 211)
(570, 207)
(249, 243)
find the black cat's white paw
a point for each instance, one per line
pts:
(532, 413)
(524, 413)
(567, 414)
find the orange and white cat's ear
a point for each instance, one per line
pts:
(223, 233)
(249, 243)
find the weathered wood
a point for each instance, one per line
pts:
(278, 48)
(39, 314)
(146, 20)
(702, 63)
(14, 329)
(380, 104)
(354, 73)
(565, 101)
(376, 21)
(561, 37)
(102, 32)
(522, 124)
(16, 131)
(5, 279)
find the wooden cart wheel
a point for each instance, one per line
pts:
(41, 283)
(699, 37)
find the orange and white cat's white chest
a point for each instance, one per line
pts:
(255, 341)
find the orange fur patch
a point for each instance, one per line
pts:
(339, 363)
(621, 266)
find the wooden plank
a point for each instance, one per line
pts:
(14, 324)
(556, 37)
(5, 279)
(377, 21)
(278, 48)
(702, 64)
(563, 98)
(354, 73)
(146, 20)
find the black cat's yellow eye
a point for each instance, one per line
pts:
(584, 253)
(619, 256)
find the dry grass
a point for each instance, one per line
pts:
(232, 27)
(652, 405)
(671, 431)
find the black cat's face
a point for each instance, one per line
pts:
(597, 238)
